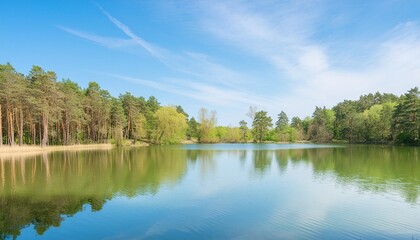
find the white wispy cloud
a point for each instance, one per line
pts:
(285, 39)
(279, 34)
(307, 71)
(152, 50)
(104, 41)
(215, 96)
(205, 80)
(197, 65)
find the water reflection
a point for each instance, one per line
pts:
(262, 160)
(41, 190)
(371, 168)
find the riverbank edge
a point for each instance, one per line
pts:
(29, 149)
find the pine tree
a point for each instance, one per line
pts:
(282, 122)
(261, 125)
(406, 118)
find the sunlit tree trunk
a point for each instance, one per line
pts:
(34, 133)
(67, 129)
(11, 129)
(45, 130)
(64, 132)
(32, 130)
(19, 124)
(40, 131)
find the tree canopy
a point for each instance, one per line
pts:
(37, 109)
(261, 125)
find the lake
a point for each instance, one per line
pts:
(219, 191)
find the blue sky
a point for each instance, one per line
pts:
(221, 55)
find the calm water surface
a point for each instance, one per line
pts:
(222, 191)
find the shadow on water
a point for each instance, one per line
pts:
(42, 190)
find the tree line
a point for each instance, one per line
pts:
(373, 118)
(36, 109)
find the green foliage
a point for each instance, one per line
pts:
(233, 135)
(181, 110)
(344, 114)
(118, 121)
(134, 109)
(170, 126)
(365, 102)
(282, 122)
(386, 120)
(288, 134)
(296, 123)
(36, 109)
(98, 106)
(15, 98)
(299, 129)
(228, 134)
(150, 107)
(406, 118)
(193, 129)
(39, 110)
(72, 113)
(207, 133)
(372, 120)
(261, 125)
(243, 127)
(322, 125)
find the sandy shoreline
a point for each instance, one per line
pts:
(18, 150)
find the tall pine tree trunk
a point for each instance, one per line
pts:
(34, 133)
(67, 124)
(32, 130)
(20, 126)
(45, 130)
(64, 133)
(127, 134)
(92, 127)
(68, 133)
(11, 129)
(40, 132)
(77, 132)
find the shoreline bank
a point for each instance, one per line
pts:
(28, 149)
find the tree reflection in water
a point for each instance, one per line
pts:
(42, 190)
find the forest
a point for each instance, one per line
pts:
(37, 109)
(373, 118)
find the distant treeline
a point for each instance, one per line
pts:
(374, 118)
(39, 110)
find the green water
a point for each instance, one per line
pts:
(221, 191)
